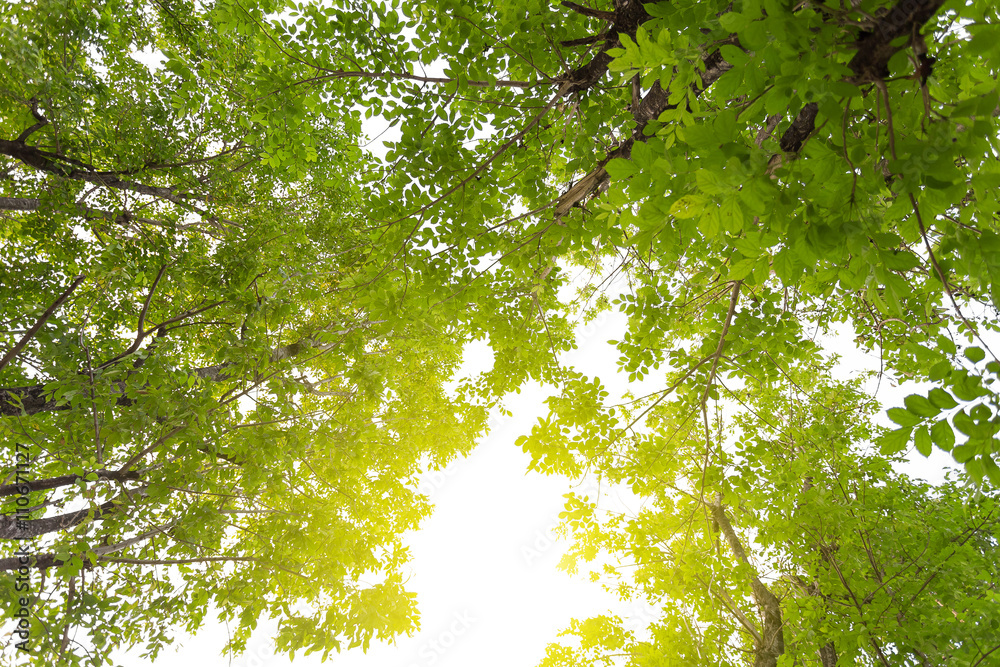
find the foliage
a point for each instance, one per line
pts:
(228, 409)
(801, 546)
(759, 172)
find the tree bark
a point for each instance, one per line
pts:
(871, 61)
(772, 643)
(12, 528)
(19, 204)
(44, 561)
(60, 166)
(869, 64)
(828, 655)
(63, 480)
(875, 48)
(652, 105)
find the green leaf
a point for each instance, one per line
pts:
(976, 469)
(941, 398)
(903, 417)
(974, 354)
(734, 55)
(688, 206)
(963, 453)
(732, 21)
(964, 423)
(919, 405)
(992, 469)
(946, 345)
(922, 441)
(966, 387)
(895, 441)
(620, 169)
(786, 266)
(942, 435)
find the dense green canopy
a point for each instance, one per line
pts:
(230, 332)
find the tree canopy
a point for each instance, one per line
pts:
(231, 331)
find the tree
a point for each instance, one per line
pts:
(759, 172)
(800, 546)
(219, 401)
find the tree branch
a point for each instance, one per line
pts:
(587, 11)
(63, 480)
(53, 164)
(19, 203)
(766, 653)
(7, 358)
(45, 561)
(12, 528)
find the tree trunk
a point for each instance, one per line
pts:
(772, 644)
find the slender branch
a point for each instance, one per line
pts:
(182, 561)
(884, 91)
(135, 459)
(734, 609)
(666, 392)
(582, 41)
(7, 358)
(41, 121)
(496, 154)
(716, 356)
(331, 75)
(505, 44)
(986, 655)
(141, 335)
